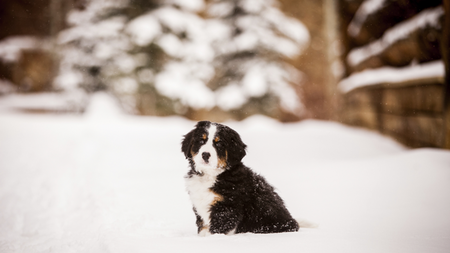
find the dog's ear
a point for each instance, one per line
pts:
(236, 147)
(188, 140)
(186, 144)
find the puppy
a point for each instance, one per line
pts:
(227, 196)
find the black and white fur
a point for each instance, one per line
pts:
(227, 196)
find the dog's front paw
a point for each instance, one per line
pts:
(204, 232)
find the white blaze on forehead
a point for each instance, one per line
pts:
(211, 134)
(212, 165)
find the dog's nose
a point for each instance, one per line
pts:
(206, 156)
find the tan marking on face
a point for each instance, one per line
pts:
(217, 139)
(222, 163)
(204, 136)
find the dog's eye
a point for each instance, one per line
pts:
(202, 141)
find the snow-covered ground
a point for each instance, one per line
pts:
(108, 182)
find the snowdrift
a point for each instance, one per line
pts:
(107, 182)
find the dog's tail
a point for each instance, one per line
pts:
(306, 224)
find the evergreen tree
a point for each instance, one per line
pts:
(162, 58)
(249, 64)
(180, 54)
(129, 47)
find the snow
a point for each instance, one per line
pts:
(271, 29)
(171, 45)
(390, 75)
(288, 26)
(93, 10)
(190, 5)
(427, 18)
(11, 47)
(7, 87)
(221, 9)
(254, 82)
(103, 107)
(93, 43)
(144, 29)
(185, 82)
(104, 48)
(184, 77)
(253, 6)
(125, 85)
(148, 28)
(367, 8)
(102, 30)
(267, 34)
(115, 184)
(230, 97)
(44, 101)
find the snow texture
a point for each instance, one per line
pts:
(115, 184)
(390, 75)
(426, 18)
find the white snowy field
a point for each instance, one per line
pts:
(107, 182)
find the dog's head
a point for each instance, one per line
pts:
(212, 147)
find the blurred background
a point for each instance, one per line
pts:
(378, 64)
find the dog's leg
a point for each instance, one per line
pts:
(204, 232)
(199, 221)
(202, 229)
(224, 219)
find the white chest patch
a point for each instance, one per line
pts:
(201, 196)
(199, 186)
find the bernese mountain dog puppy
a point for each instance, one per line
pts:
(227, 196)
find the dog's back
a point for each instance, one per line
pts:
(258, 208)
